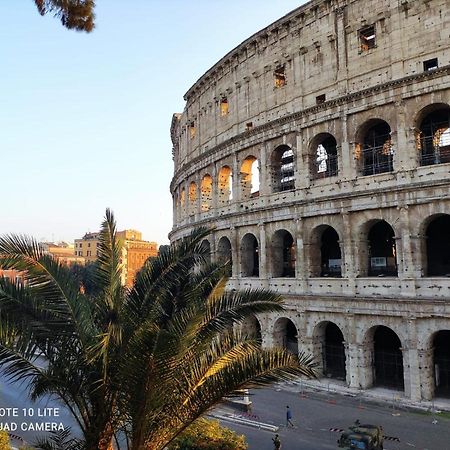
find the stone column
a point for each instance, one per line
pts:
(407, 275)
(411, 374)
(235, 252)
(348, 260)
(262, 252)
(264, 170)
(237, 194)
(346, 165)
(426, 373)
(352, 355)
(366, 365)
(301, 164)
(341, 45)
(215, 188)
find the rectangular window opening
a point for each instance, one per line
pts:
(320, 99)
(367, 38)
(192, 130)
(430, 64)
(248, 126)
(223, 107)
(279, 77)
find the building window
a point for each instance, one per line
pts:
(89, 244)
(279, 77)
(248, 126)
(367, 37)
(320, 99)
(224, 107)
(430, 64)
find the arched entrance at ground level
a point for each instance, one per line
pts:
(283, 254)
(441, 359)
(249, 256)
(251, 328)
(330, 342)
(438, 246)
(387, 359)
(285, 335)
(382, 250)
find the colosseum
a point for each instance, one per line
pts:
(319, 150)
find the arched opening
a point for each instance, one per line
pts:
(438, 247)
(225, 186)
(183, 200)
(334, 352)
(283, 254)
(192, 197)
(388, 359)
(224, 255)
(324, 156)
(283, 169)
(250, 177)
(249, 256)
(206, 193)
(251, 328)
(374, 148)
(206, 246)
(433, 136)
(382, 251)
(330, 254)
(441, 358)
(285, 335)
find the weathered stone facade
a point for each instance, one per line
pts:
(319, 149)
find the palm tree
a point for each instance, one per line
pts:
(74, 14)
(145, 361)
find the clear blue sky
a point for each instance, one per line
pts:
(85, 118)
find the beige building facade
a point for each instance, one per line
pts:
(319, 149)
(135, 251)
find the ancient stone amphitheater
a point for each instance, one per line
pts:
(319, 149)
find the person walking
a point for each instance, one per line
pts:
(289, 417)
(276, 442)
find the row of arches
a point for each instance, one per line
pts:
(326, 255)
(374, 153)
(382, 346)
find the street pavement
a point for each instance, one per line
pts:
(318, 417)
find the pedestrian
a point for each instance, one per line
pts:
(276, 442)
(289, 417)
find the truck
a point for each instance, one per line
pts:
(362, 437)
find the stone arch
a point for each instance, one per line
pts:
(225, 185)
(250, 177)
(441, 363)
(283, 254)
(436, 232)
(282, 169)
(432, 134)
(374, 151)
(325, 254)
(206, 193)
(285, 335)
(382, 258)
(224, 253)
(249, 256)
(251, 328)
(387, 357)
(192, 197)
(330, 349)
(324, 157)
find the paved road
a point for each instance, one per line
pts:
(315, 415)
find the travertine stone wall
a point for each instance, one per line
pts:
(320, 49)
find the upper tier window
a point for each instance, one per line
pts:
(367, 38)
(279, 77)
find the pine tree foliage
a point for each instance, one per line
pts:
(74, 14)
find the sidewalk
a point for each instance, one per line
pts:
(377, 394)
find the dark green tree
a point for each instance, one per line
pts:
(146, 361)
(74, 14)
